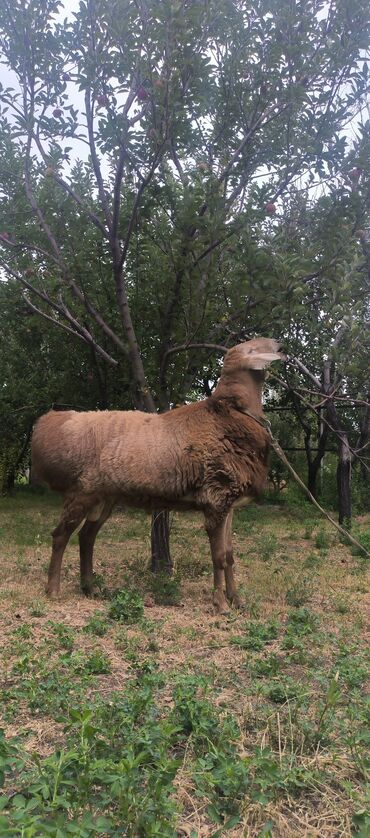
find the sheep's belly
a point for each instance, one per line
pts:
(152, 502)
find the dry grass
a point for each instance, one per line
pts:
(190, 638)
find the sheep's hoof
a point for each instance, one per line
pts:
(221, 606)
(222, 609)
(235, 602)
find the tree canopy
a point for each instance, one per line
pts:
(178, 176)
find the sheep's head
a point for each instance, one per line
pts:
(254, 354)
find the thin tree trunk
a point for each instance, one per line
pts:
(312, 472)
(4, 479)
(160, 539)
(315, 463)
(344, 482)
(160, 543)
(344, 467)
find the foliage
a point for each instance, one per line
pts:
(166, 589)
(197, 119)
(126, 607)
(257, 635)
(97, 624)
(300, 592)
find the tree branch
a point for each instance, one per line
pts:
(78, 330)
(139, 194)
(70, 191)
(95, 162)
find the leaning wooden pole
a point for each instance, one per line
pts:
(280, 453)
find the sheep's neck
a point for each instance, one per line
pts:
(244, 388)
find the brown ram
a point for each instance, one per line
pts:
(210, 456)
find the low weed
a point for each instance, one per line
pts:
(257, 635)
(100, 588)
(322, 540)
(281, 690)
(252, 602)
(64, 635)
(343, 605)
(302, 621)
(266, 547)
(97, 624)
(353, 666)
(267, 667)
(117, 767)
(324, 723)
(312, 562)
(130, 645)
(300, 593)
(166, 589)
(364, 539)
(93, 663)
(23, 632)
(97, 663)
(126, 607)
(37, 609)
(357, 738)
(308, 530)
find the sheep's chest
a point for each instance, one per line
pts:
(244, 468)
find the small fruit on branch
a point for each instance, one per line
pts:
(355, 173)
(141, 93)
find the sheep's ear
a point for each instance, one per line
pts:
(260, 360)
(259, 353)
(254, 354)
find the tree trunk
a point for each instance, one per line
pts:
(344, 454)
(9, 481)
(160, 538)
(3, 479)
(312, 472)
(160, 543)
(344, 482)
(343, 468)
(315, 463)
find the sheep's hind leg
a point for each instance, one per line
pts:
(87, 535)
(231, 591)
(216, 535)
(72, 514)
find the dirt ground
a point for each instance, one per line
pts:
(286, 559)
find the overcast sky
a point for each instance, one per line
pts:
(8, 79)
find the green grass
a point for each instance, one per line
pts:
(146, 720)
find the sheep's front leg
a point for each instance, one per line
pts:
(231, 591)
(87, 535)
(216, 535)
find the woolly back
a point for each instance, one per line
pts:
(253, 354)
